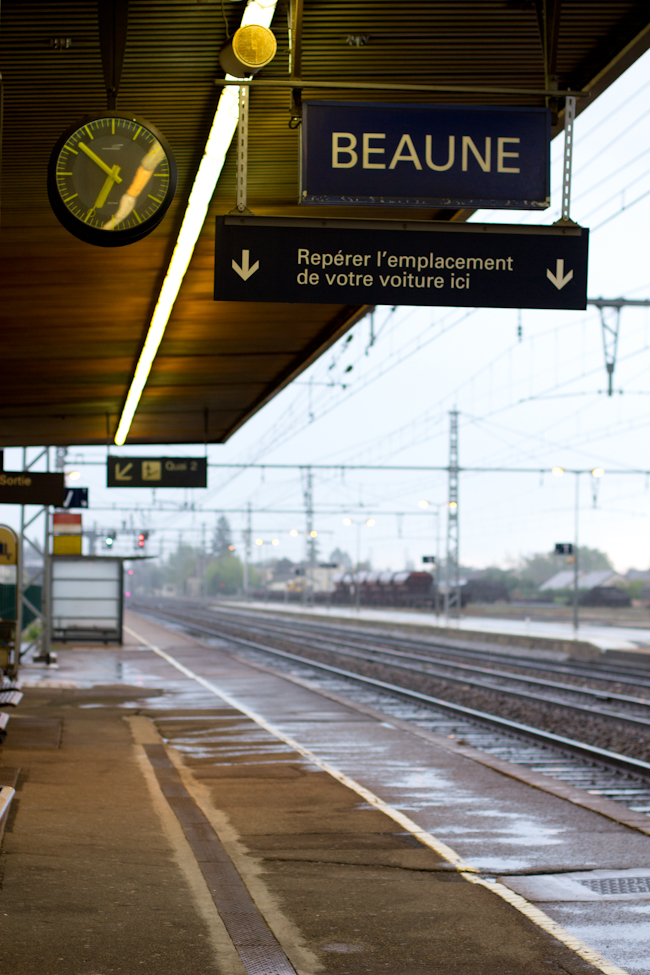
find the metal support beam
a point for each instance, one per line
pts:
(452, 588)
(42, 573)
(576, 562)
(295, 60)
(242, 152)
(113, 17)
(398, 86)
(295, 42)
(548, 19)
(247, 546)
(610, 328)
(311, 541)
(569, 118)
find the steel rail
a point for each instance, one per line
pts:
(641, 678)
(589, 691)
(600, 756)
(324, 641)
(622, 718)
(469, 668)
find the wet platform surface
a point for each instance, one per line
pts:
(98, 877)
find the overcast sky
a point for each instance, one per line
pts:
(537, 402)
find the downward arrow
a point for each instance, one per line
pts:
(559, 279)
(245, 271)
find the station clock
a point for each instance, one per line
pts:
(111, 178)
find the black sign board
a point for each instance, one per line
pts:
(564, 548)
(359, 262)
(76, 498)
(26, 487)
(153, 472)
(429, 558)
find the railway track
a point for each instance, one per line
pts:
(600, 771)
(631, 710)
(594, 672)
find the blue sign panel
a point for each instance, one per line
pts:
(76, 498)
(365, 154)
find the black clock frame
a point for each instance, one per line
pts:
(95, 235)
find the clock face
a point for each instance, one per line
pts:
(111, 179)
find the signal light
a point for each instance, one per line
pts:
(108, 541)
(142, 538)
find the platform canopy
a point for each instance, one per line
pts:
(74, 317)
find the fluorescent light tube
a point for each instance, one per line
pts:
(221, 135)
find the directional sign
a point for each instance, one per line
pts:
(76, 498)
(355, 262)
(425, 155)
(564, 548)
(25, 487)
(151, 472)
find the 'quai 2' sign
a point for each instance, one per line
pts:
(425, 155)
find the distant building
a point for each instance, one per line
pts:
(586, 580)
(638, 575)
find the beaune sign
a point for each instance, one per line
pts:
(425, 155)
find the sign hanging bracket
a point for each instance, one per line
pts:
(242, 153)
(569, 119)
(295, 108)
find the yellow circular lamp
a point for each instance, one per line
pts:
(249, 50)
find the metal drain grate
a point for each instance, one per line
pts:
(618, 885)
(584, 885)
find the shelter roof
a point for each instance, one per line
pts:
(74, 317)
(586, 580)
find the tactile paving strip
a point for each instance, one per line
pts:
(258, 949)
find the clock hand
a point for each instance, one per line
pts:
(109, 182)
(100, 162)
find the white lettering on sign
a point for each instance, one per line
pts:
(484, 163)
(501, 155)
(339, 260)
(15, 480)
(401, 262)
(368, 149)
(451, 154)
(338, 150)
(411, 156)
(345, 155)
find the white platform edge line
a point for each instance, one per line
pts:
(542, 920)
(534, 914)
